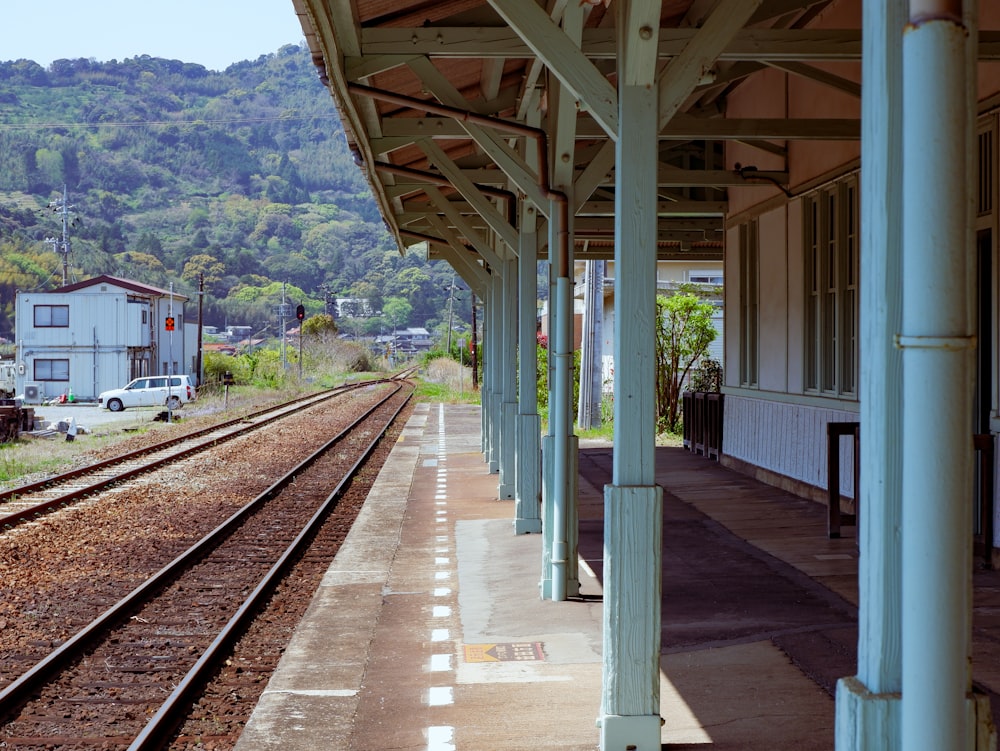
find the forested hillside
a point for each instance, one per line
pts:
(173, 171)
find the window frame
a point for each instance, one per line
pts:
(51, 322)
(749, 285)
(49, 362)
(831, 250)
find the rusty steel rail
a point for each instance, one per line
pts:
(262, 417)
(20, 691)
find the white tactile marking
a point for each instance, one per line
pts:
(440, 663)
(440, 696)
(441, 738)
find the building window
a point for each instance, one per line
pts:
(705, 277)
(51, 370)
(50, 316)
(749, 296)
(831, 295)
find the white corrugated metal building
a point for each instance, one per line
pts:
(98, 334)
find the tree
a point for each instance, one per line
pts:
(319, 325)
(203, 264)
(397, 312)
(683, 332)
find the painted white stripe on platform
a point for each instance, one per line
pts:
(440, 663)
(442, 591)
(440, 696)
(441, 738)
(440, 611)
(442, 561)
(440, 634)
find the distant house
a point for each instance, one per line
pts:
(413, 340)
(98, 334)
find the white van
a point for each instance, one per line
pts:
(154, 391)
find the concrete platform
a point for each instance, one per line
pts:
(428, 633)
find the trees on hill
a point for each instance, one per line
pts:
(176, 173)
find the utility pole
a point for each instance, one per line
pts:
(170, 354)
(473, 347)
(201, 304)
(282, 312)
(62, 246)
(451, 308)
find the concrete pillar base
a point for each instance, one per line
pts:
(508, 451)
(528, 477)
(866, 721)
(631, 732)
(527, 526)
(872, 722)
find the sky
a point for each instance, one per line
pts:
(214, 33)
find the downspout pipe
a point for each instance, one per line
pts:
(563, 351)
(936, 343)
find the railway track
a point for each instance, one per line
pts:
(105, 686)
(28, 502)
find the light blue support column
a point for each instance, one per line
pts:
(633, 503)
(937, 344)
(484, 393)
(528, 480)
(560, 448)
(492, 378)
(868, 704)
(548, 440)
(559, 414)
(507, 365)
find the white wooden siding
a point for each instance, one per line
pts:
(789, 439)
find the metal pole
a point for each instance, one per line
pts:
(936, 343)
(170, 356)
(281, 314)
(451, 308)
(474, 354)
(199, 370)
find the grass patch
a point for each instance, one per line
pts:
(445, 380)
